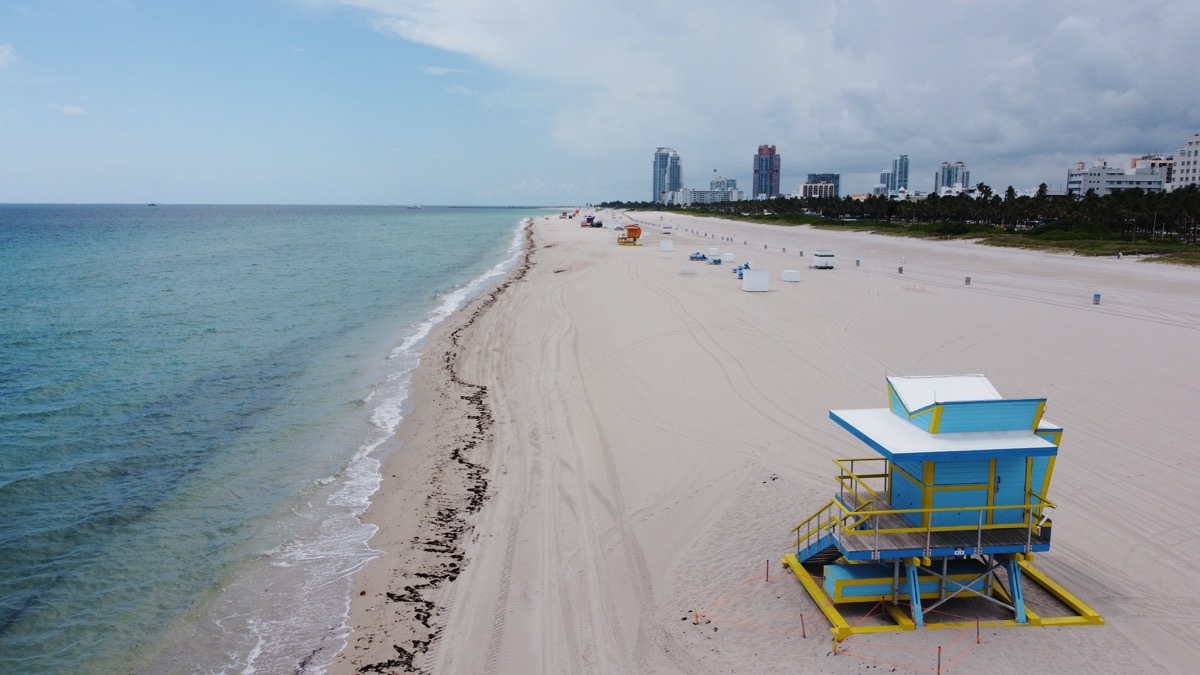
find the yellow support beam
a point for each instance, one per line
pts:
(990, 623)
(1083, 613)
(837, 623)
(902, 619)
(842, 630)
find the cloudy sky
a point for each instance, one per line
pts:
(564, 101)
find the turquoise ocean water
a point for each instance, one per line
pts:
(189, 401)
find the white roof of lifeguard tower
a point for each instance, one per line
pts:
(923, 391)
(897, 438)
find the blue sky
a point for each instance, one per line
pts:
(564, 101)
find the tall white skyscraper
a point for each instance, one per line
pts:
(668, 174)
(899, 174)
(1187, 164)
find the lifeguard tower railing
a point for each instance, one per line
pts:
(862, 525)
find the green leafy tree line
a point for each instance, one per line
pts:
(1129, 215)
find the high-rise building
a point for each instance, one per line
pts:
(719, 183)
(819, 190)
(766, 172)
(1159, 163)
(668, 174)
(688, 196)
(899, 174)
(835, 178)
(1102, 179)
(949, 176)
(1186, 169)
(887, 183)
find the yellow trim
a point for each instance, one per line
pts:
(935, 422)
(1051, 437)
(1030, 515)
(841, 629)
(903, 621)
(957, 488)
(991, 623)
(991, 493)
(814, 516)
(840, 586)
(1046, 479)
(1037, 417)
(837, 625)
(1084, 613)
(927, 494)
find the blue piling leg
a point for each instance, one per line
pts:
(914, 594)
(1014, 583)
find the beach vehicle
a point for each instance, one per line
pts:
(697, 256)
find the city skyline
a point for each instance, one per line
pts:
(1174, 170)
(390, 101)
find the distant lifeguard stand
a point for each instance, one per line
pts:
(957, 495)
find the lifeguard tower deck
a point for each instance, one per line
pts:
(957, 493)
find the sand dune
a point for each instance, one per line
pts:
(650, 436)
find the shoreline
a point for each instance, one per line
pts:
(423, 508)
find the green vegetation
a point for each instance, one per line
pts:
(1163, 226)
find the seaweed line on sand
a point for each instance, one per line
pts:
(449, 523)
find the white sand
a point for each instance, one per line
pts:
(654, 435)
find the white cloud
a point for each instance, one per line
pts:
(1011, 88)
(8, 56)
(70, 110)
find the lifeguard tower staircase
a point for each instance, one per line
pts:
(954, 506)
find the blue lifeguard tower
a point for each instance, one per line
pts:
(955, 505)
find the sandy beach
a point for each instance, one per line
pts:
(618, 439)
